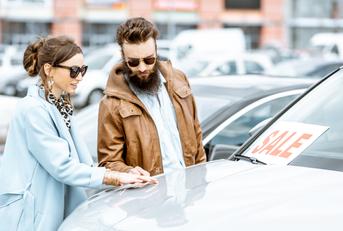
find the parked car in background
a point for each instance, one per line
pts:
(206, 42)
(163, 48)
(247, 63)
(11, 65)
(8, 84)
(310, 68)
(100, 63)
(328, 44)
(230, 106)
(307, 133)
(7, 107)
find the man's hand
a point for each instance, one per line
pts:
(139, 171)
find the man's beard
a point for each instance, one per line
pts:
(149, 86)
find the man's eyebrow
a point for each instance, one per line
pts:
(142, 57)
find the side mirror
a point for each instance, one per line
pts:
(258, 126)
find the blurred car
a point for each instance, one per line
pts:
(306, 133)
(311, 68)
(248, 63)
(100, 63)
(8, 85)
(219, 195)
(11, 66)
(225, 105)
(7, 107)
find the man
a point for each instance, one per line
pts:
(147, 119)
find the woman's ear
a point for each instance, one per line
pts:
(47, 69)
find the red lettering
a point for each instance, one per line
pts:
(277, 150)
(268, 148)
(295, 144)
(264, 143)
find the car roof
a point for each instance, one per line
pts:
(295, 67)
(221, 195)
(219, 92)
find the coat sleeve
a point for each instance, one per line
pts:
(53, 152)
(111, 138)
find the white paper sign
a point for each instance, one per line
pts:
(284, 142)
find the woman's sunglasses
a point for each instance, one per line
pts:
(134, 62)
(74, 70)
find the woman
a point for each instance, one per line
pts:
(45, 163)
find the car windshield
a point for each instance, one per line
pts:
(308, 134)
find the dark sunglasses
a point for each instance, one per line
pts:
(74, 70)
(134, 62)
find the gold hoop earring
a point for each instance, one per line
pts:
(50, 84)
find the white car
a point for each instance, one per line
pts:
(7, 107)
(100, 63)
(219, 65)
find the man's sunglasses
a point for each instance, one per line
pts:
(134, 62)
(74, 70)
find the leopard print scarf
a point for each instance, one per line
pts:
(63, 106)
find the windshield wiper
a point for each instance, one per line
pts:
(248, 158)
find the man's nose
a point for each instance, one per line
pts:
(142, 66)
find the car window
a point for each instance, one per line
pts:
(195, 68)
(252, 67)
(321, 107)
(237, 132)
(228, 68)
(322, 71)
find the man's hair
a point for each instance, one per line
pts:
(136, 30)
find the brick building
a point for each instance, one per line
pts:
(289, 23)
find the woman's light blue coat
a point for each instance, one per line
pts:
(43, 168)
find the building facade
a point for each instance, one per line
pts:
(288, 23)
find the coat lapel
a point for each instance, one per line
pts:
(59, 123)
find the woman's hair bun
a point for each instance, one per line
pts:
(30, 60)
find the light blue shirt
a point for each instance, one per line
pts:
(162, 111)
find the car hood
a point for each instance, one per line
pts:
(220, 195)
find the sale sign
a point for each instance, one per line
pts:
(284, 141)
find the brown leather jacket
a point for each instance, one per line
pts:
(127, 136)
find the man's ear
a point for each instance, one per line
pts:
(47, 69)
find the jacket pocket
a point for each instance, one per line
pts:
(127, 109)
(17, 211)
(183, 92)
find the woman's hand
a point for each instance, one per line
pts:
(119, 178)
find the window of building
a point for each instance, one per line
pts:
(95, 34)
(252, 34)
(24, 32)
(169, 31)
(321, 9)
(242, 4)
